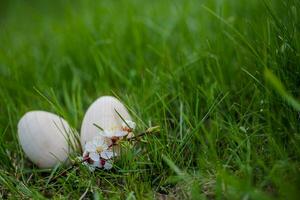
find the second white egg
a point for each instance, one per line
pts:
(102, 113)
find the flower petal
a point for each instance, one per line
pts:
(120, 133)
(112, 133)
(97, 164)
(85, 154)
(104, 145)
(94, 156)
(108, 165)
(108, 154)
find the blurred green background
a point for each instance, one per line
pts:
(200, 69)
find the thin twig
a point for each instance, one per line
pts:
(154, 129)
(148, 131)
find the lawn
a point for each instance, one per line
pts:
(220, 78)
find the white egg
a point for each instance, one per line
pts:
(45, 138)
(102, 113)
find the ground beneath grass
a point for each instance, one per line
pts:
(220, 77)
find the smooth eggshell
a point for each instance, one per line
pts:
(102, 112)
(45, 138)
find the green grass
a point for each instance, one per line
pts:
(220, 77)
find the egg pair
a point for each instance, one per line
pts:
(48, 139)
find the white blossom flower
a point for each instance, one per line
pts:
(99, 153)
(129, 124)
(97, 148)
